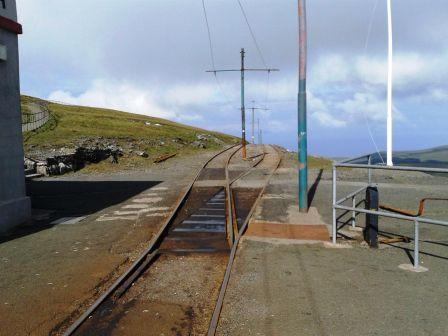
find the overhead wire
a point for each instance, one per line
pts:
(366, 44)
(212, 55)
(210, 43)
(252, 34)
(257, 46)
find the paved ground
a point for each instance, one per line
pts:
(287, 287)
(177, 294)
(277, 287)
(50, 271)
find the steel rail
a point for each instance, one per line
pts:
(232, 225)
(250, 169)
(230, 201)
(230, 217)
(155, 241)
(219, 303)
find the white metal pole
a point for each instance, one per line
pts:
(334, 234)
(253, 125)
(416, 245)
(389, 84)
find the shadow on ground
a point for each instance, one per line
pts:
(56, 199)
(313, 189)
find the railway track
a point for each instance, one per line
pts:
(207, 221)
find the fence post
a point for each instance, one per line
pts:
(416, 245)
(353, 212)
(334, 205)
(371, 229)
(369, 161)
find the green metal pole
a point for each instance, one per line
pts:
(302, 127)
(243, 109)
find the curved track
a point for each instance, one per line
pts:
(182, 230)
(219, 303)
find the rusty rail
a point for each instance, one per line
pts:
(121, 284)
(219, 303)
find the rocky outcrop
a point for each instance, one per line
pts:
(61, 164)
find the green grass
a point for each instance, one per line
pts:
(75, 122)
(71, 126)
(314, 162)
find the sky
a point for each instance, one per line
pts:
(150, 57)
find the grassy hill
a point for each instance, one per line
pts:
(72, 126)
(427, 157)
(432, 157)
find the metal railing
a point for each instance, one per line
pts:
(34, 120)
(338, 204)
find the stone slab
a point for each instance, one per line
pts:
(288, 231)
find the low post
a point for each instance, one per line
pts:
(354, 212)
(371, 229)
(334, 205)
(416, 245)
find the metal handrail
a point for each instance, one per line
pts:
(398, 168)
(337, 204)
(33, 121)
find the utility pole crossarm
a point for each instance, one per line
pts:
(242, 71)
(253, 108)
(238, 70)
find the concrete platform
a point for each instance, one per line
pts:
(288, 231)
(288, 287)
(277, 216)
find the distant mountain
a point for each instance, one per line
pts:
(433, 157)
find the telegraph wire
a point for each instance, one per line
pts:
(366, 44)
(252, 34)
(258, 50)
(212, 55)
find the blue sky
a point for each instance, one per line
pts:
(150, 57)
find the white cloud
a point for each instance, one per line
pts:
(439, 94)
(179, 102)
(320, 111)
(326, 119)
(370, 70)
(276, 126)
(357, 90)
(183, 95)
(119, 96)
(411, 69)
(368, 104)
(331, 69)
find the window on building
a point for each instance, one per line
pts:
(3, 3)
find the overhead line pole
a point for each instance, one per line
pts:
(253, 108)
(243, 108)
(302, 126)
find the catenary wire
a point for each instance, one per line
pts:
(366, 44)
(212, 55)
